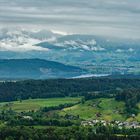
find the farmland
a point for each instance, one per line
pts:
(103, 108)
(35, 104)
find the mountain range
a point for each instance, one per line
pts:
(95, 54)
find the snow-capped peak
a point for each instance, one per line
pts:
(89, 45)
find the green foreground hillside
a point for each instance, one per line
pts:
(107, 109)
(64, 119)
(103, 108)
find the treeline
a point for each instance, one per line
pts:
(59, 107)
(42, 122)
(101, 94)
(131, 97)
(10, 91)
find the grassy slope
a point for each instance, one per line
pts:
(34, 104)
(108, 108)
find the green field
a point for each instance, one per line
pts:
(103, 108)
(34, 104)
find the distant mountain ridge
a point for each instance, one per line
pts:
(96, 54)
(36, 68)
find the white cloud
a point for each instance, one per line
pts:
(119, 50)
(17, 41)
(131, 50)
(59, 32)
(15, 47)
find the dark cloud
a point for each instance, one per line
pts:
(107, 17)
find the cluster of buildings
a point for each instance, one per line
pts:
(120, 124)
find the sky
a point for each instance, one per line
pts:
(120, 18)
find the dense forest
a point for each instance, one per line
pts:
(73, 133)
(10, 91)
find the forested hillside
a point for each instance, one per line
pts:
(36, 69)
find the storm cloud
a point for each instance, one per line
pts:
(101, 17)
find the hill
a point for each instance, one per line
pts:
(36, 69)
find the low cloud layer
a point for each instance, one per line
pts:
(120, 18)
(18, 41)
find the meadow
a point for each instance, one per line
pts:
(103, 108)
(35, 104)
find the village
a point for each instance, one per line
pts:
(119, 124)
